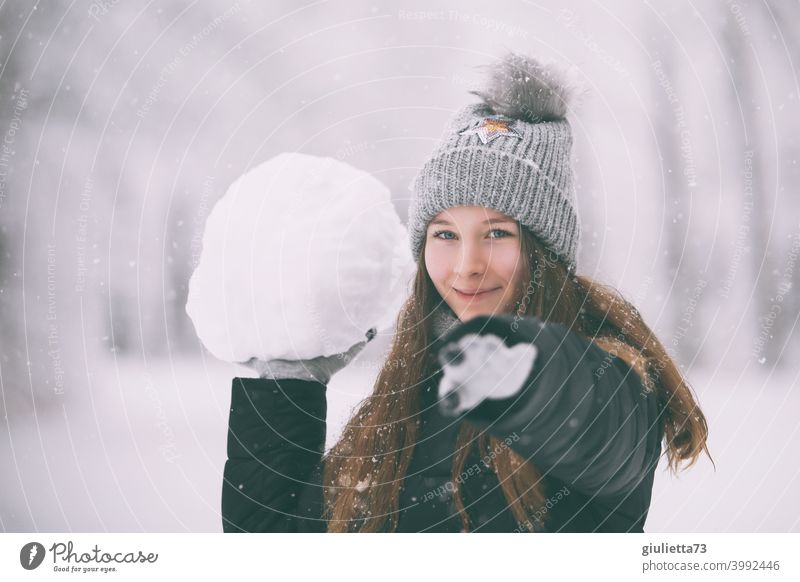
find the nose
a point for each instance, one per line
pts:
(471, 260)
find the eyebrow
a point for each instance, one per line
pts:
(491, 220)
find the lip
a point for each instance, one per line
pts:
(474, 294)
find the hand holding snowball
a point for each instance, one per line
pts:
(319, 369)
(477, 367)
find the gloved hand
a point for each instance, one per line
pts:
(319, 369)
(478, 364)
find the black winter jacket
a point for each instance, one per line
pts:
(583, 418)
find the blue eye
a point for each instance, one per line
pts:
(504, 233)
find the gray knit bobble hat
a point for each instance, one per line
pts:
(511, 153)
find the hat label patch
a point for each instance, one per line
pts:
(490, 128)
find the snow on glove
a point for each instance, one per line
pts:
(479, 365)
(319, 369)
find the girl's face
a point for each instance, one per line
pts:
(473, 256)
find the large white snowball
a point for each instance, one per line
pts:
(300, 258)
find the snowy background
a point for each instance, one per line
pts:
(121, 124)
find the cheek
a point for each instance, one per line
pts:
(437, 264)
(508, 265)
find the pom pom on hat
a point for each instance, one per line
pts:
(522, 87)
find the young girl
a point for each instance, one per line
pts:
(517, 396)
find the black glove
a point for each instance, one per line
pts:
(482, 359)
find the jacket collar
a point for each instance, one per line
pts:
(443, 319)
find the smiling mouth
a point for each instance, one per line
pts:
(475, 294)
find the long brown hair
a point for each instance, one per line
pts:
(364, 471)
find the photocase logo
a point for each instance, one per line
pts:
(31, 555)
